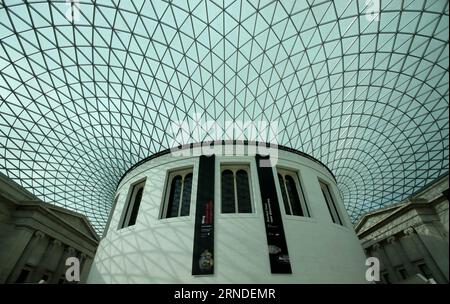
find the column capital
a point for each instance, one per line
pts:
(391, 239)
(408, 231)
(376, 246)
(57, 243)
(71, 250)
(39, 234)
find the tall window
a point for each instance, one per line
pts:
(235, 190)
(332, 208)
(424, 270)
(386, 278)
(24, 274)
(178, 194)
(132, 207)
(403, 273)
(291, 191)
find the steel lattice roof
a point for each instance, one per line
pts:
(89, 89)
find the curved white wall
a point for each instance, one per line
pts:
(160, 250)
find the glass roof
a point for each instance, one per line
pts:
(87, 89)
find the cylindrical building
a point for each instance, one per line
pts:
(232, 217)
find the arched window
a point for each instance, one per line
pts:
(292, 194)
(235, 189)
(132, 207)
(178, 197)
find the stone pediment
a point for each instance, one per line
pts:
(75, 220)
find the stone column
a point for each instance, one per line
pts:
(385, 262)
(403, 256)
(44, 261)
(85, 265)
(16, 244)
(55, 257)
(427, 257)
(37, 237)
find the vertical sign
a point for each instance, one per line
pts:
(203, 253)
(276, 240)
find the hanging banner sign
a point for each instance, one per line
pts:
(276, 240)
(203, 253)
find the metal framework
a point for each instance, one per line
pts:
(87, 89)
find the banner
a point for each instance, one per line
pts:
(276, 240)
(203, 253)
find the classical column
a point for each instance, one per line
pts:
(427, 257)
(83, 257)
(37, 237)
(55, 256)
(45, 261)
(16, 244)
(385, 262)
(85, 265)
(402, 255)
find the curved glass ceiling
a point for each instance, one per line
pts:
(90, 88)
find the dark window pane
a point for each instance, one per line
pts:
(137, 202)
(174, 197)
(403, 273)
(293, 196)
(330, 204)
(23, 276)
(243, 192)
(185, 204)
(283, 193)
(301, 194)
(227, 192)
(425, 271)
(124, 219)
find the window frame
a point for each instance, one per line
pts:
(333, 202)
(402, 273)
(385, 277)
(235, 167)
(129, 203)
(298, 186)
(49, 275)
(422, 271)
(170, 175)
(29, 269)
